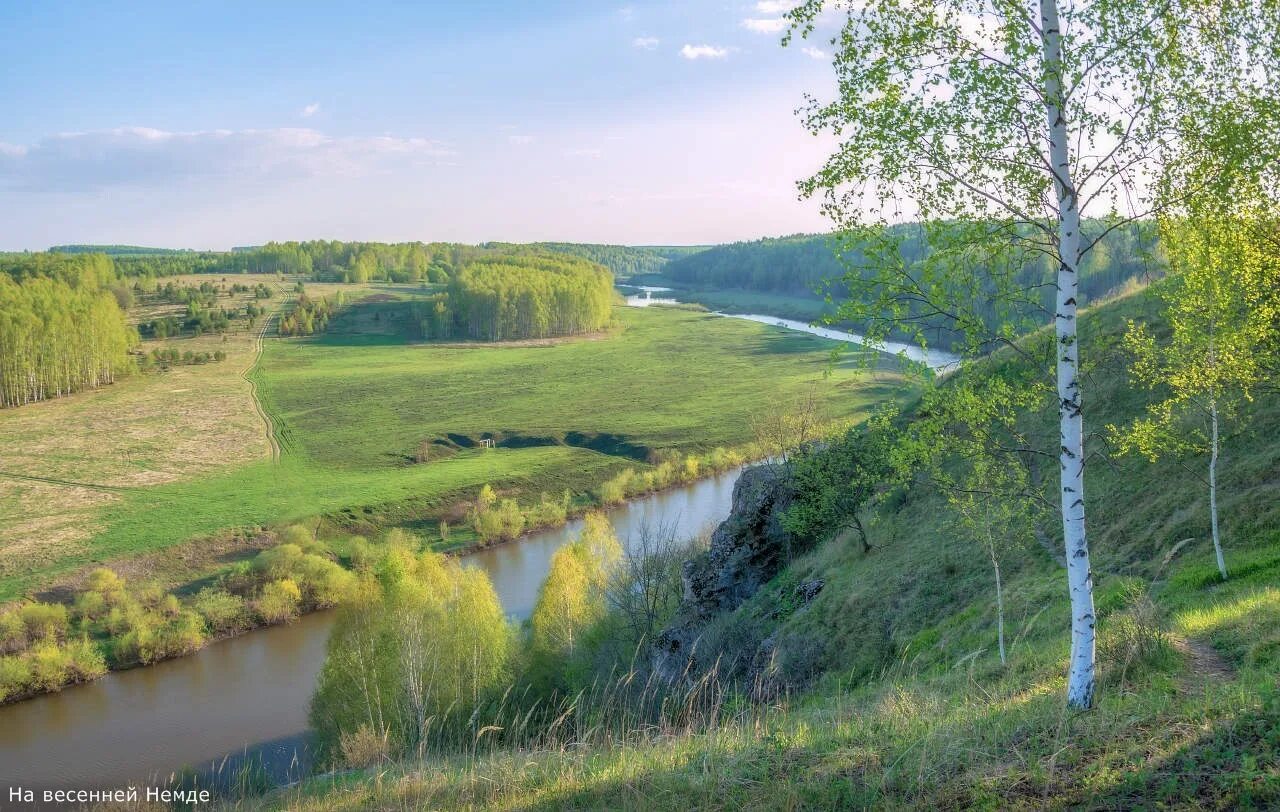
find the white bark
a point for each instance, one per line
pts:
(1081, 682)
(995, 565)
(1213, 486)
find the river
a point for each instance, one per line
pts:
(937, 360)
(249, 694)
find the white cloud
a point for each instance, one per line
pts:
(146, 157)
(594, 153)
(520, 140)
(767, 25)
(813, 53)
(310, 110)
(703, 52)
(647, 43)
(775, 6)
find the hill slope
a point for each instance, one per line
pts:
(904, 700)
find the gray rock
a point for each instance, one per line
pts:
(747, 550)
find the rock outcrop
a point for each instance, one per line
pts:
(747, 550)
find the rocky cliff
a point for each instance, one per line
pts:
(747, 550)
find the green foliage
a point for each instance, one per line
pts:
(278, 601)
(411, 655)
(571, 600)
(61, 329)
(524, 295)
(223, 612)
(835, 483)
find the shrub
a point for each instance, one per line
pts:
(105, 581)
(279, 601)
(15, 677)
(50, 666)
(223, 612)
(548, 511)
(90, 605)
(13, 632)
(85, 660)
(1132, 644)
(322, 582)
(616, 490)
(360, 554)
(278, 562)
(44, 621)
(303, 538)
(364, 747)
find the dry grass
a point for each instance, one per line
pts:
(145, 430)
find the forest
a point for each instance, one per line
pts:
(814, 265)
(62, 328)
(522, 294)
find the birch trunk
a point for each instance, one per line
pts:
(1213, 486)
(1081, 682)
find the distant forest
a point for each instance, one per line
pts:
(62, 328)
(808, 265)
(337, 261)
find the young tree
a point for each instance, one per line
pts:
(1002, 125)
(1222, 306)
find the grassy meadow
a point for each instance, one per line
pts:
(186, 465)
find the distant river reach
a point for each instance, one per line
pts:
(937, 360)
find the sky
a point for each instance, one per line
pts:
(214, 124)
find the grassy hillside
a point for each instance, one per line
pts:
(906, 703)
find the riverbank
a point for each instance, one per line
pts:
(253, 690)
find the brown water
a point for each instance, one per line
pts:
(249, 694)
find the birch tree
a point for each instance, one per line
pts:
(1018, 133)
(1222, 307)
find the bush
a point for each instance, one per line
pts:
(15, 677)
(223, 613)
(322, 582)
(279, 601)
(500, 521)
(364, 747)
(50, 667)
(85, 660)
(90, 606)
(44, 621)
(360, 554)
(13, 632)
(616, 490)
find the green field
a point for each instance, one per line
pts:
(352, 407)
(670, 379)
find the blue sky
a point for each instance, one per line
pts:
(215, 124)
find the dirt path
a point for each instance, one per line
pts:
(247, 374)
(1207, 666)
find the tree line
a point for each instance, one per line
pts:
(520, 295)
(61, 327)
(622, 260)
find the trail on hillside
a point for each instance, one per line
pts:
(248, 373)
(1206, 665)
